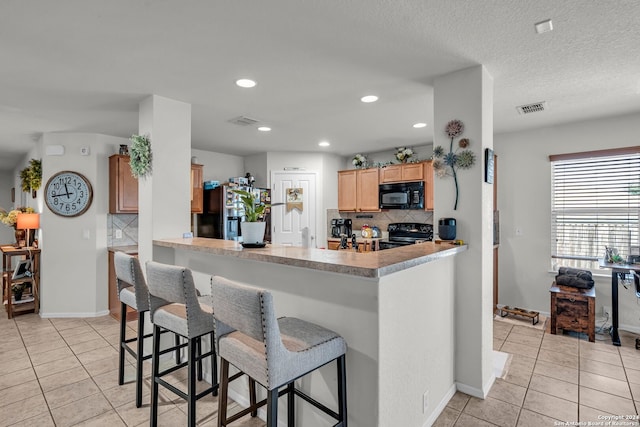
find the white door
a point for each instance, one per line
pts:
(294, 223)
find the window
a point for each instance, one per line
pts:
(595, 203)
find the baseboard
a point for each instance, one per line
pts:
(441, 405)
(476, 392)
(71, 315)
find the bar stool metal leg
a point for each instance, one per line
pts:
(123, 326)
(342, 390)
(291, 402)
(194, 351)
(139, 359)
(153, 421)
(272, 408)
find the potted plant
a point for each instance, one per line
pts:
(253, 226)
(18, 289)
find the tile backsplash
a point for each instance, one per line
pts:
(125, 223)
(381, 219)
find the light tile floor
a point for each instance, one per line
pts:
(554, 379)
(63, 372)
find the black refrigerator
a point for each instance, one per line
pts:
(223, 213)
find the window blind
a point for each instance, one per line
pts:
(595, 204)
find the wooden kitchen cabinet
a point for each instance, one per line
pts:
(196, 189)
(428, 185)
(123, 187)
(358, 190)
(402, 173)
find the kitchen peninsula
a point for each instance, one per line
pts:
(395, 309)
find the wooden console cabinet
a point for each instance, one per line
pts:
(573, 309)
(30, 302)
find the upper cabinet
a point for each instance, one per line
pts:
(123, 187)
(428, 185)
(358, 190)
(196, 188)
(400, 173)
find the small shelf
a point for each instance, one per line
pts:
(30, 301)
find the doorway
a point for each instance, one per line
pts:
(294, 223)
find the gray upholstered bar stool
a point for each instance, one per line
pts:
(274, 352)
(133, 292)
(174, 305)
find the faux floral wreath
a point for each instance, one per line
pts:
(140, 156)
(448, 163)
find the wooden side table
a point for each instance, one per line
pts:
(30, 304)
(573, 309)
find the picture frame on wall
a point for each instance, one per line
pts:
(13, 194)
(488, 165)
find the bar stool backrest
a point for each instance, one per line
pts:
(170, 284)
(249, 310)
(129, 273)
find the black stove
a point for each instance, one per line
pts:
(407, 233)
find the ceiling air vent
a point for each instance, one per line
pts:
(532, 108)
(243, 121)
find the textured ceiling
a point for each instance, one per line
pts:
(83, 66)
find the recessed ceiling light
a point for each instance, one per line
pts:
(369, 98)
(544, 26)
(324, 143)
(245, 83)
(419, 125)
(264, 128)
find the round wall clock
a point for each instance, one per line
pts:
(68, 193)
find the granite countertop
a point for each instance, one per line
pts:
(131, 249)
(364, 264)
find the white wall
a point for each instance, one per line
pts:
(6, 183)
(218, 166)
(421, 152)
(524, 201)
(74, 250)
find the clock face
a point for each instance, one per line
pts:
(68, 194)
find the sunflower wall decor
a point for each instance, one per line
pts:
(445, 164)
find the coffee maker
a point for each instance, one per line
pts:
(340, 226)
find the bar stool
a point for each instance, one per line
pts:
(273, 352)
(133, 292)
(175, 306)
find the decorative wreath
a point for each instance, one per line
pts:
(140, 156)
(31, 176)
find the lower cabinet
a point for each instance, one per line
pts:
(114, 301)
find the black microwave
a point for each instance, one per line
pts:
(402, 195)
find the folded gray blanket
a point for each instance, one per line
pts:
(575, 278)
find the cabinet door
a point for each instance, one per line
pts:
(123, 187)
(391, 173)
(428, 186)
(412, 172)
(196, 189)
(347, 190)
(367, 190)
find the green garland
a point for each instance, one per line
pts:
(31, 176)
(140, 155)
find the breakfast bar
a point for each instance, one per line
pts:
(395, 309)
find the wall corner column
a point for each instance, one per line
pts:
(164, 205)
(467, 95)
